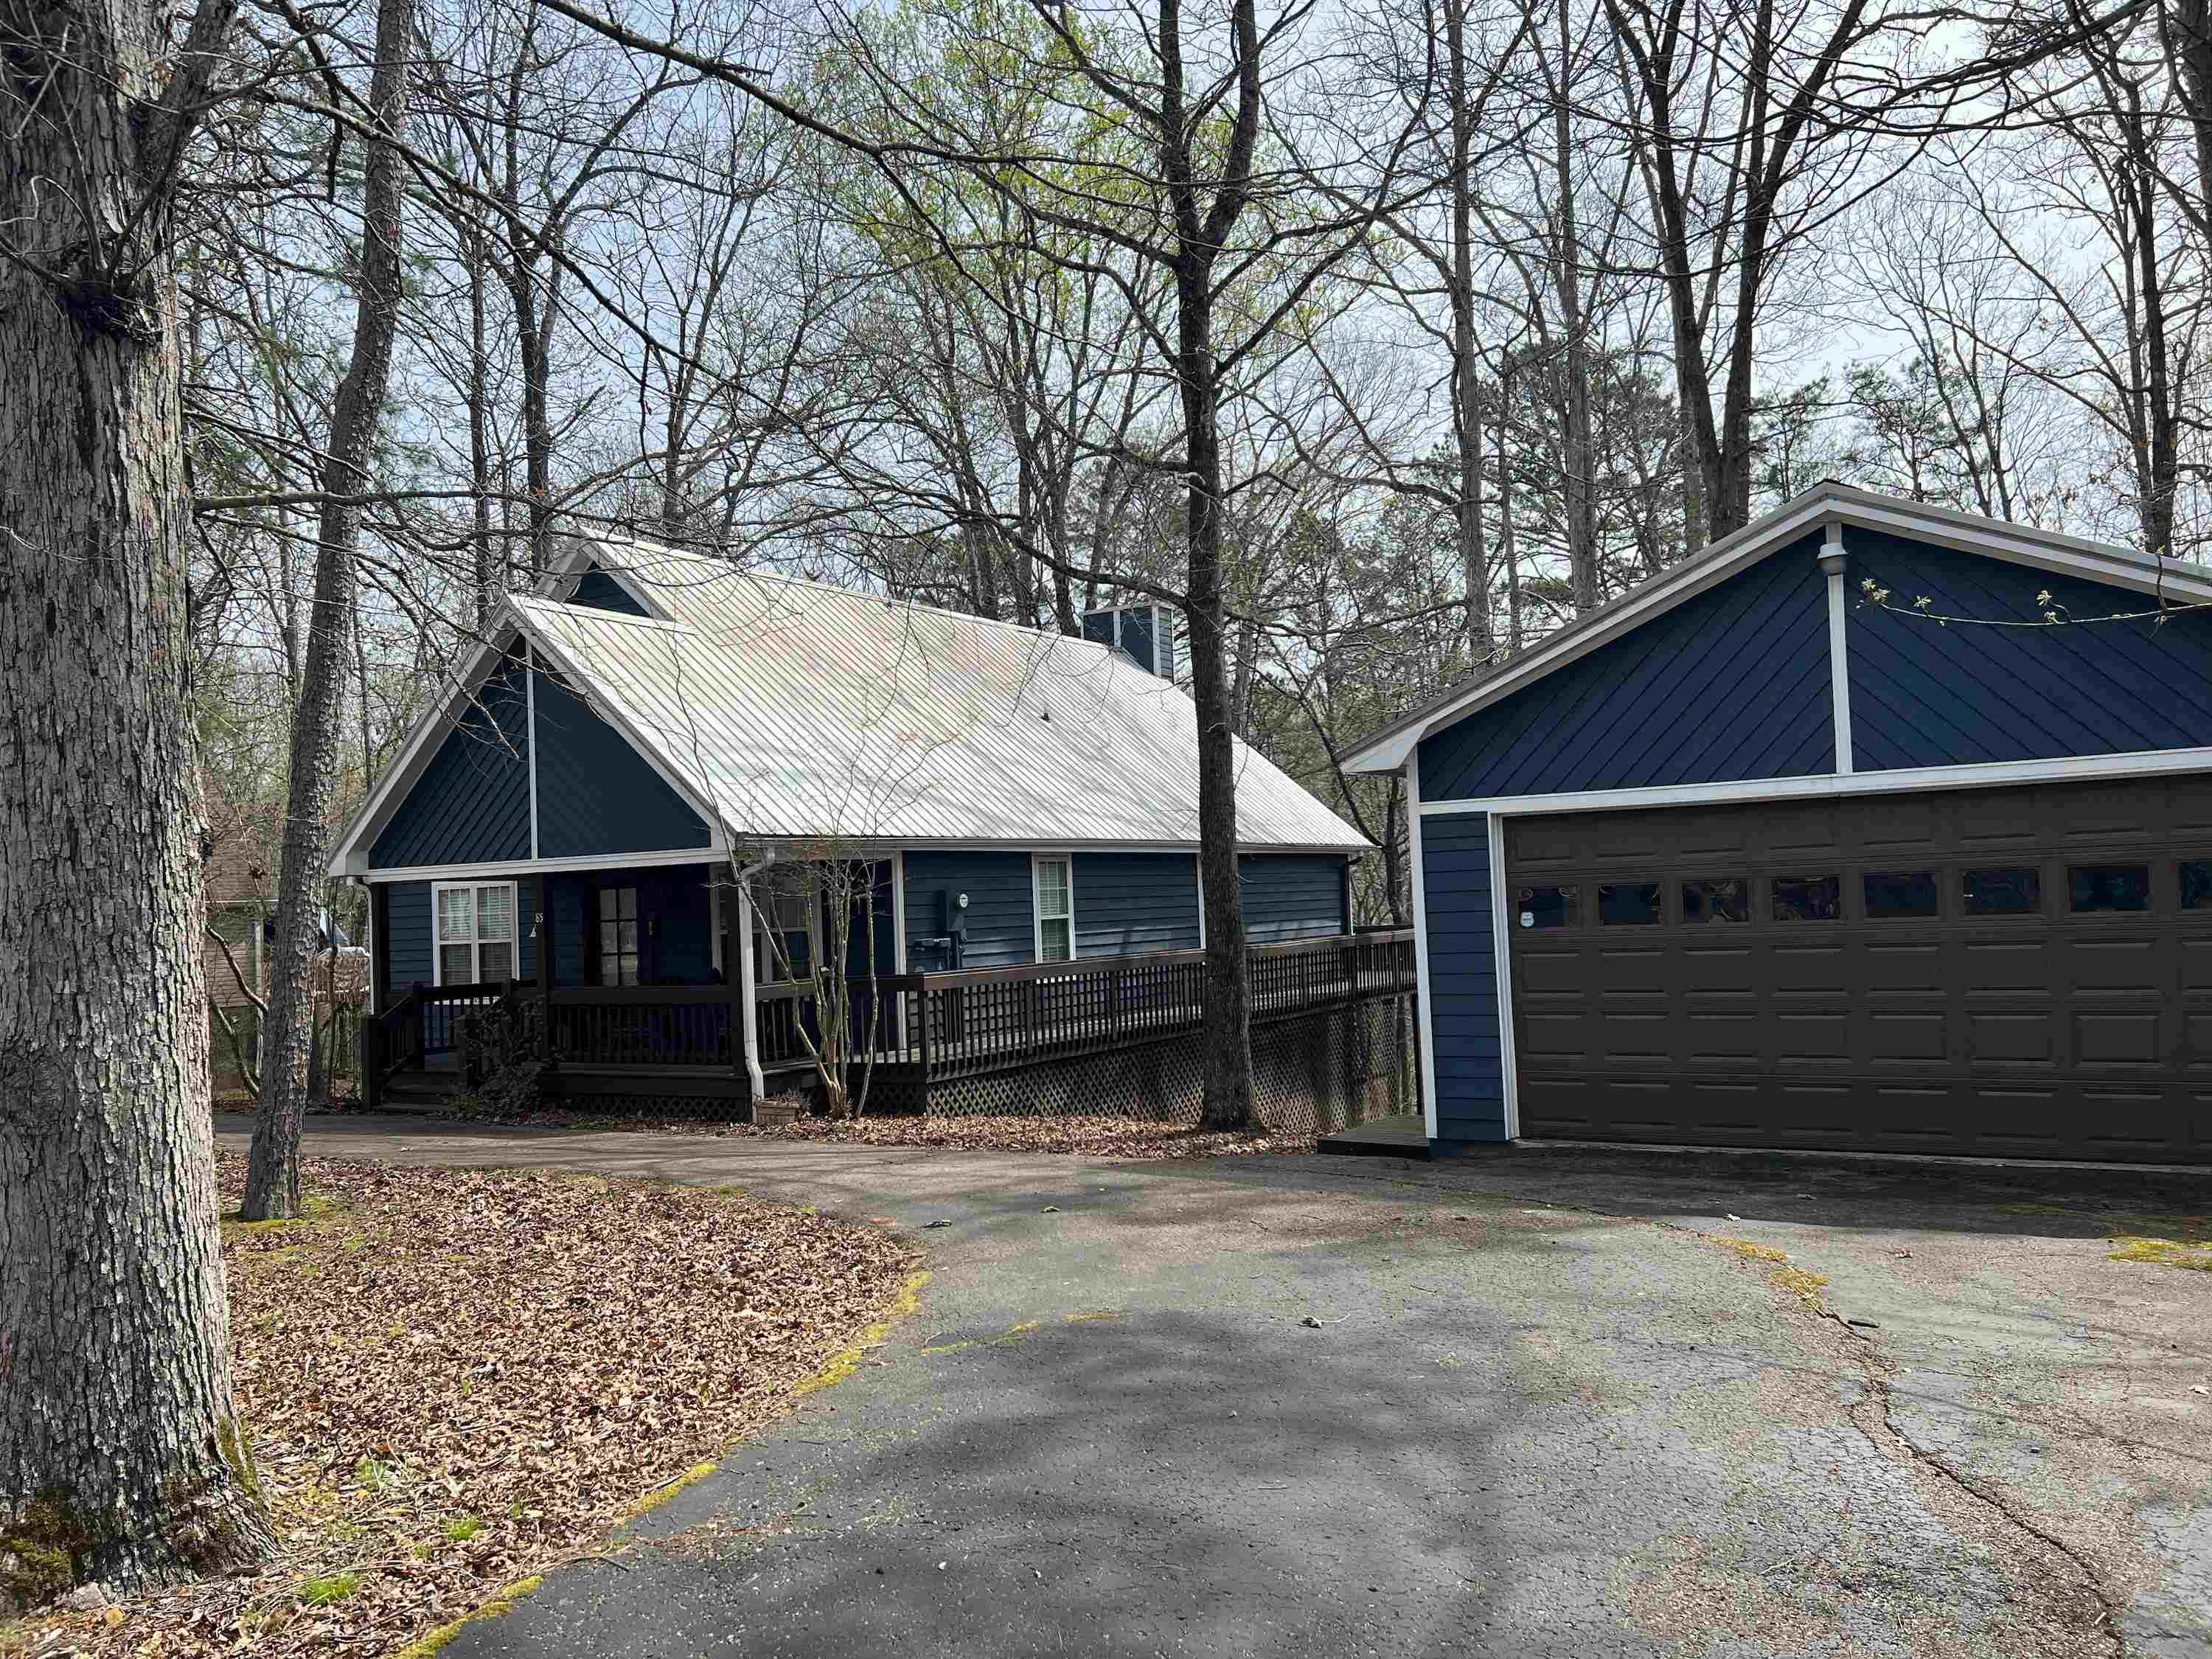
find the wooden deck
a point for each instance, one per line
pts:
(930, 1028)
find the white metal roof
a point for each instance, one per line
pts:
(800, 710)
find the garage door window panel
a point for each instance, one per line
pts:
(2103, 889)
(2014, 891)
(1547, 908)
(1894, 894)
(1726, 900)
(1808, 899)
(2195, 883)
(1628, 903)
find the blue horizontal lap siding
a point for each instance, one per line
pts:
(1925, 695)
(1732, 683)
(1002, 907)
(1129, 902)
(1463, 1014)
(1290, 896)
(471, 804)
(596, 793)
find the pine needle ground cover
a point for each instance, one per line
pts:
(456, 1379)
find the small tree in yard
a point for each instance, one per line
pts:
(833, 885)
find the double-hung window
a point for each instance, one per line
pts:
(783, 933)
(476, 931)
(1055, 910)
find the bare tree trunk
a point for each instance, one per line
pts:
(1575, 489)
(484, 564)
(272, 1180)
(1467, 402)
(122, 1458)
(1199, 235)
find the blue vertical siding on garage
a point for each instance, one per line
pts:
(1286, 896)
(1928, 696)
(601, 591)
(1733, 684)
(1127, 903)
(471, 804)
(1462, 990)
(1001, 921)
(597, 794)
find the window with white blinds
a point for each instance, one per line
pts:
(1055, 910)
(476, 931)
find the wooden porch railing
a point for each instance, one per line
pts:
(990, 1018)
(947, 1024)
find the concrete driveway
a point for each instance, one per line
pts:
(1546, 1407)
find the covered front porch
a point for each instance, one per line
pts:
(617, 1023)
(646, 978)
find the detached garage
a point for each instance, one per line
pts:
(1747, 858)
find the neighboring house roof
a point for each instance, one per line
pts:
(1826, 504)
(242, 867)
(788, 710)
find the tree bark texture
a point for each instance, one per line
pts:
(121, 1456)
(272, 1180)
(1201, 230)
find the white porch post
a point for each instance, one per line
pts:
(741, 941)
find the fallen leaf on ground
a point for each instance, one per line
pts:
(454, 1379)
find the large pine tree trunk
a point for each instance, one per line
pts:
(272, 1180)
(121, 1456)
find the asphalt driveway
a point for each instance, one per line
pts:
(1555, 1402)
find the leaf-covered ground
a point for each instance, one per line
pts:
(1092, 1137)
(457, 1378)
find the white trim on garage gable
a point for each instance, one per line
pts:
(1980, 776)
(1828, 504)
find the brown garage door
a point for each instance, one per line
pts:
(2000, 972)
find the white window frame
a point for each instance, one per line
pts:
(1037, 918)
(476, 941)
(764, 896)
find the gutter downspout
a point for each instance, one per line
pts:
(741, 941)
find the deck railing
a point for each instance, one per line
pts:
(990, 1019)
(943, 1025)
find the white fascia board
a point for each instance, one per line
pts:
(2042, 550)
(349, 852)
(880, 845)
(545, 866)
(1989, 774)
(2047, 550)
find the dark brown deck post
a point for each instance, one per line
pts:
(372, 1060)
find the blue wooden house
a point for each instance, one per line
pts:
(1873, 826)
(616, 822)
